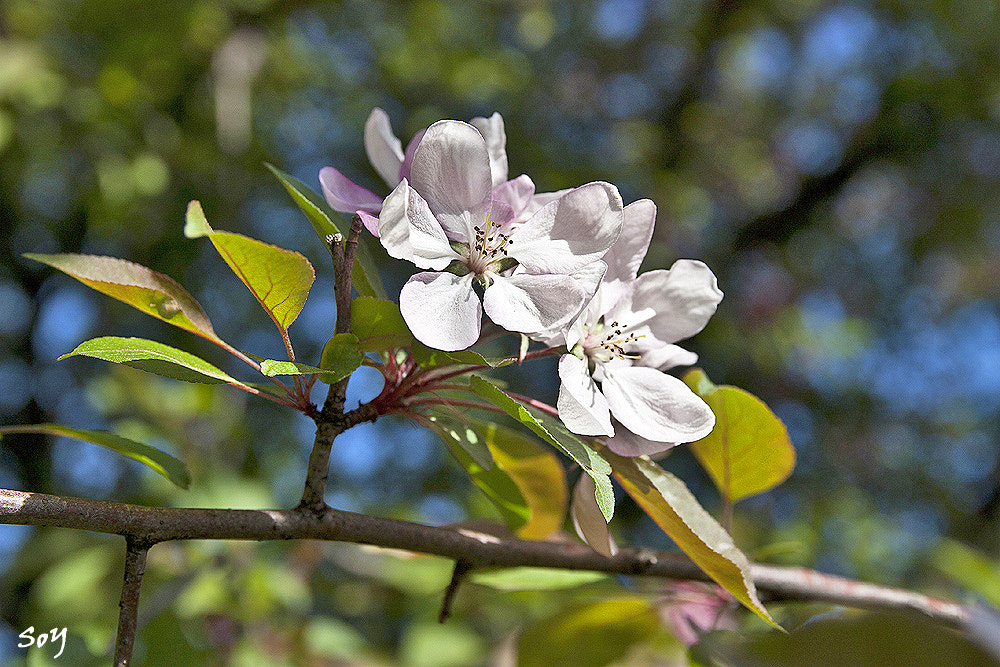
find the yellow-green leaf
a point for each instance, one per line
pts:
(151, 292)
(553, 432)
(535, 578)
(469, 448)
(378, 325)
(674, 508)
(749, 450)
(537, 473)
(590, 635)
(161, 462)
(153, 357)
(279, 279)
(364, 276)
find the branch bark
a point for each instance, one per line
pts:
(135, 567)
(478, 550)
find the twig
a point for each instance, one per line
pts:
(135, 567)
(158, 524)
(330, 421)
(462, 568)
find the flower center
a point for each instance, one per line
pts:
(606, 342)
(489, 250)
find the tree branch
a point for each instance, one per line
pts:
(331, 421)
(478, 550)
(135, 567)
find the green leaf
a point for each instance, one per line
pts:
(151, 292)
(153, 357)
(429, 357)
(554, 433)
(469, 448)
(538, 474)
(365, 276)
(271, 367)
(159, 461)
(672, 506)
(341, 357)
(454, 430)
(970, 568)
(591, 635)
(536, 578)
(378, 325)
(279, 279)
(749, 450)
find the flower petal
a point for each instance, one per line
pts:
(588, 520)
(570, 232)
(684, 297)
(441, 310)
(627, 443)
(370, 222)
(409, 231)
(411, 148)
(532, 304)
(625, 256)
(346, 196)
(664, 357)
(582, 407)
(656, 406)
(496, 143)
(516, 193)
(384, 150)
(451, 171)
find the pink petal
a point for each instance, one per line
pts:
(384, 150)
(346, 196)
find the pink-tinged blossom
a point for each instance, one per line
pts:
(624, 339)
(450, 218)
(690, 608)
(386, 155)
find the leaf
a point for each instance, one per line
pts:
(493, 481)
(378, 325)
(968, 567)
(340, 357)
(153, 357)
(538, 474)
(159, 461)
(590, 635)
(672, 506)
(151, 292)
(749, 450)
(552, 432)
(364, 276)
(536, 578)
(429, 357)
(279, 279)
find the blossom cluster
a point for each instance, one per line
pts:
(559, 267)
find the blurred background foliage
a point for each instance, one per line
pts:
(836, 163)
